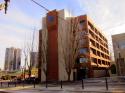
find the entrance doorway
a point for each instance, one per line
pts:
(81, 73)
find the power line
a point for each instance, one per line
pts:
(40, 5)
(46, 9)
(66, 21)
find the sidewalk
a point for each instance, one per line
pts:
(87, 89)
(65, 89)
(16, 88)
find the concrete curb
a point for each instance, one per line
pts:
(71, 90)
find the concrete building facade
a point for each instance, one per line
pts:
(119, 52)
(93, 58)
(12, 59)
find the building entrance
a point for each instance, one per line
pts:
(81, 73)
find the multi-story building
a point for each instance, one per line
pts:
(9, 58)
(17, 59)
(12, 59)
(119, 52)
(34, 59)
(93, 58)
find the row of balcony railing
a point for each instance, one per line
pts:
(99, 46)
(96, 38)
(91, 27)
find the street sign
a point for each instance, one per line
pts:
(34, 72)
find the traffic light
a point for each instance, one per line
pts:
(6, 5)
(2, 6)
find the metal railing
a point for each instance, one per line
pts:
(104, 82)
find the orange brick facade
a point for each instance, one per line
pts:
(52, 27)
(96, 45)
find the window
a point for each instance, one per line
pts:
(82, 42)
(121, 45)
(93, 51)
(90, 26)
(94, 60)
(81, 24)
(83, 51)
(82, 60)
(50, 18)
(83, 33)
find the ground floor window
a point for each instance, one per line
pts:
(82, 60)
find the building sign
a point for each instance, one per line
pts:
(34, 72)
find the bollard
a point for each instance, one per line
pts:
(1, 84)
(34, 83)
(61, 84)
(106, 82)
(23, 83)
(8, 84)
(15, 83)
(46, 84)
(82, 84)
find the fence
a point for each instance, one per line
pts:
(102, 83)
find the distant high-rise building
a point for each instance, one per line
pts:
(9, 58)
(34, 59)
(17, 59)
(119, 52)
(12, 59)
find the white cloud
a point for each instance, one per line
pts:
(106, 13)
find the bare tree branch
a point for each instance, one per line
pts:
(70, 44)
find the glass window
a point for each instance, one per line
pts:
(50, 18)
(121, 45)
(82, 60)
(81, 24)
(83, 51)
(82, 33)
(82, 42)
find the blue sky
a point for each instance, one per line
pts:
(23, 16)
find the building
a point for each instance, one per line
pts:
(93, 59)
(17, 59)
(9, 58)
(119, 52)
(34, 59)
(12, 59)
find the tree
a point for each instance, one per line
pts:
(28, 48)
(43, 52)
(26, 51)
(70, 44)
